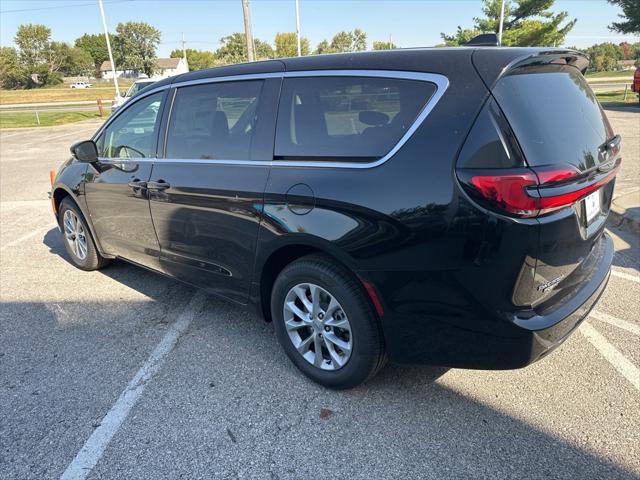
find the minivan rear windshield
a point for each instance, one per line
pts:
(554, 115)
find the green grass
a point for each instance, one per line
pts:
(618, 97)
(60, 93)
(47, 119)
(620, 74)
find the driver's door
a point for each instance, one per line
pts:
(115, 188)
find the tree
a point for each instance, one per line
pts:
(630, 16)
(603, 57)
(233, 49)
(12, 74)
(384, 45)
(627, 51)
(353, 41)
(96, 46)
(262, 50)
(33, 45)
(526, 23)
(323, 47)
(136, 44)
(39, 57)
(287, 45)
(78, 62)
(197, 59)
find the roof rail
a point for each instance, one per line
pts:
(484, 40)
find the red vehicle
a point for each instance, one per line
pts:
(635, 86)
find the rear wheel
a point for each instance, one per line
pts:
(77, 238)
(325, 323)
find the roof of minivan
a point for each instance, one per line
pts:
(444, 60)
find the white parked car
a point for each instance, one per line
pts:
(81, 85)
(133, 89)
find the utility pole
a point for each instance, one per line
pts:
(184, 52)
(106, 35)
(247, 30)
(501, 22)
(298, 28)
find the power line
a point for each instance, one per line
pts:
(93, 4)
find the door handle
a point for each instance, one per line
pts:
(137, 184)
(159, 185)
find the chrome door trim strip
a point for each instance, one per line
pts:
(441, 82)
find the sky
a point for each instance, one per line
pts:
(203, 22)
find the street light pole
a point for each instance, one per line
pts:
(247, 30)
(106, 36)
(501, 22)
(298, 28)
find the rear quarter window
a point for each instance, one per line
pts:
(356, 118)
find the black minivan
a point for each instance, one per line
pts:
(443, 206)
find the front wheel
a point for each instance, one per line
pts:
(325, 323)
(77, 238)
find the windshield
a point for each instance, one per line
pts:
(136, 87)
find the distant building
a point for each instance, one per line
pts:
(626, 64)
(167, 67)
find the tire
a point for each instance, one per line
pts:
(341, 367)
(83, 255)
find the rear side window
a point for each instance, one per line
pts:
(554, 115)
(213, 121)
(359, 118)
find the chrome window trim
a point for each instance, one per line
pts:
(440, 81)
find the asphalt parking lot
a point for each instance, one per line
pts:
(125, 374)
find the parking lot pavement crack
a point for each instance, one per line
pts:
(281, 431)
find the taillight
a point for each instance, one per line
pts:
(508, 192)
(530, 192)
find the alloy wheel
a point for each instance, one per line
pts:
(318, 326)
(75, 234)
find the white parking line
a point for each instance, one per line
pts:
(616, 322)
(94, 447)
(612, 355)
(19, 240)
(626, 276)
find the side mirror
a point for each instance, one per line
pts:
(123, 94)
(85, 151)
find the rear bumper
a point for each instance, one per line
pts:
(491, 343)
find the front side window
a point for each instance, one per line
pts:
(134, 132)
(214, 121)
(360, 118)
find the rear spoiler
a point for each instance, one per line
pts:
(493, 63)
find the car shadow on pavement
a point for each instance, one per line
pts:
(137, 278)
(223, 371)
(627, 257)
(621, 107)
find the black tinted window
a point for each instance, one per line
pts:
(134, 132)
(213, 121)
(554, 115)
(354, 117)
